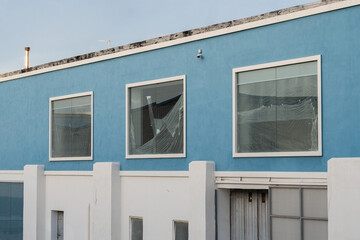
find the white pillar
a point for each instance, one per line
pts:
(106, 203)
(202, 200)
(34, 202)
(343, 198)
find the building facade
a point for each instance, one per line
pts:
(241, 130)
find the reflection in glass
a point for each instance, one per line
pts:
(156, 118)
(71, 127)
(277, 109)
(11, 210)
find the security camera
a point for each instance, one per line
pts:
(199, 55)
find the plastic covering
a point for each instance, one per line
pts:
(277, 109)
(71, 127)
(167, 131)
(279, 128)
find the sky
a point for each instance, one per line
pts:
(58, 29)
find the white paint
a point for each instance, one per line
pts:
(268, 21)
(50, 125)
(343, 198)
(127, 120)
(70, 194)
(11, 176)
(262, 180)
(316, 58)
(158, 200)
(34, 191)
(106, 201)
(98, 204)
(202, 194)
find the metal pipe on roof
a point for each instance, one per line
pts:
(27, 51)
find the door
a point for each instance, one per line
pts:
(249, 215)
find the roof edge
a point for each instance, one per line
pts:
(182, 37)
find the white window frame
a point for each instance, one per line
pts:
(88, 158)
(152, 82)
(316, 58)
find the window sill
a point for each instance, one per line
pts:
(278, 154)
(60, 159)
(143, 156)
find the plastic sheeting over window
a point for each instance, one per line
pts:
(157, 119)
(71, 127)
(277, 109)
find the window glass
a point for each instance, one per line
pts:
(315, 230)
(181, 230)
(136, 229)
(277, 109)
(11, 210)
(285, 229)
(315, 203)
(156, 119)
(71, 127)
(285, 201)
(308, 222)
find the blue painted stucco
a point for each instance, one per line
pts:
(24, 103)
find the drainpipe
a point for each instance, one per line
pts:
(27, 50)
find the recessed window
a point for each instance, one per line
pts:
(277, 109)
(181, 230)
(136, 228)
(156, 118)
(71, 127)
(57, 225)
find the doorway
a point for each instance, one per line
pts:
(249, 219)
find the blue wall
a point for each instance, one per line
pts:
(24, 103)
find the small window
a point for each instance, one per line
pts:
(277, 110)
(71, 123)
(57, 218)
(156, 118)
(181, 230)
(136, 228)
(298, 213)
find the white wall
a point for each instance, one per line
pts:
(158, 200)
(98, 204)
(344, 198)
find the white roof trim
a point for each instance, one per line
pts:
(223, 31)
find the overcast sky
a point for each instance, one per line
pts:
(57, 29)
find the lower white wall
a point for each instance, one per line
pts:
(344, 198)
(71, 194)
(158, 200)
(98, 204)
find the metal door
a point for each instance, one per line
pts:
(249, 215)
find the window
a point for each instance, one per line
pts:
(298, 213)
(277, 109)
(71, 122)
(11, 210)
(136, 228)
(181, 230)
(57, 231)
(155, 126)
